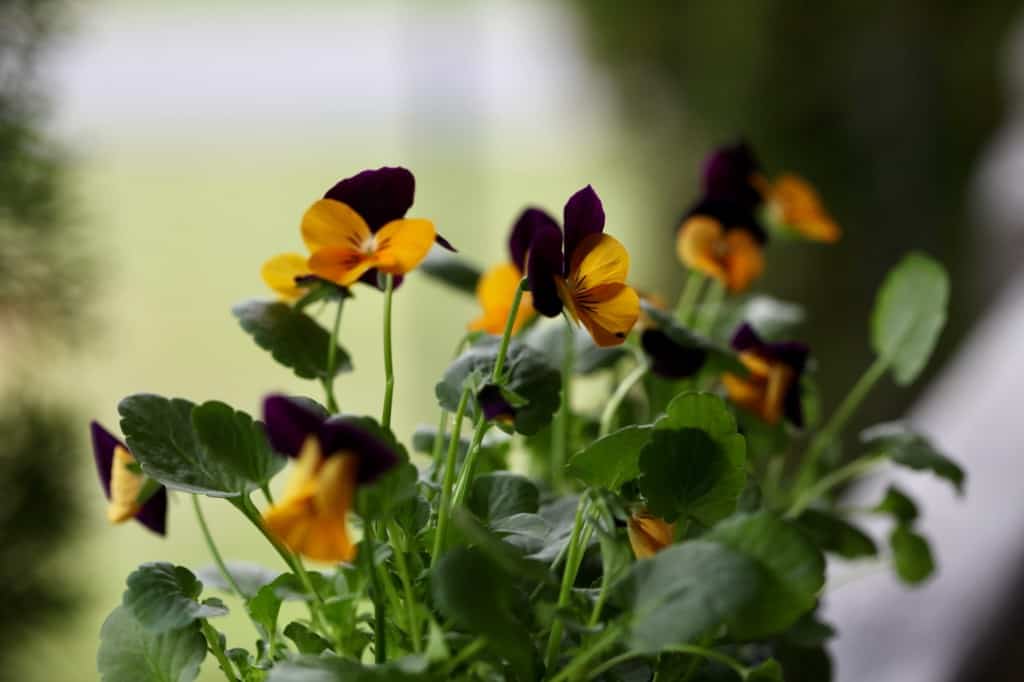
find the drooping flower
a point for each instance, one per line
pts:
(497, 287)
(649, 534)
(358, 229)
(723, 240)
(333, 456)
(772, 388)
(123, 484)
(583, 272)
(671, 360)
(792, 204)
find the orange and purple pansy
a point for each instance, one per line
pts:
(771, 389)
(582, 272)
(497, 287)
(356, 231)
(333, 456)
(124, 484)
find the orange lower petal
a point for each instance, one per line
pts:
(341, 265)
(700, 245)
(649, 534)
(400, 245)
(744, 261)
(279, 273)
(608, 312)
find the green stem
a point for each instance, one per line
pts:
(834, 426)
(826, 483)
(506, 337)
(389, 370)
(438, 450)
(332, 359)
(214, 552)
(711, 307)
(572, 564)
(394, 532)
(623, 389)
(380, 643)
(688, 298)
(444, 508)
(594, 649)
(217, 649)
(563, 426)
(469, 464)
(689, 649)
(602, 595)
(467, 652)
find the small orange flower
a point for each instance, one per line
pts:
(721, 244)
(649, 534)
(124, 485)
(771, 390)
(793, 204)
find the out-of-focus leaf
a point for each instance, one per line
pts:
(316, 669)
(306, 641)
(164, 597)
(130, 652)
(912, 450)
(502, 493)
(911, 555)
(294, 338)
(898, 505)
(248, 576)
(235, 443)
(548, 338)
(451, 270)
(835, 535)
(610, 461)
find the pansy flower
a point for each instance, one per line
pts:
(583, 271)
(123, 484)
(497, 287)
(771, 390)
(731, 174)
(649, 534)
(357, 230)
(723, 240)
(333, 456)
(794, 205)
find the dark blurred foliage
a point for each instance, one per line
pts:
(42, 271)
(885, 107)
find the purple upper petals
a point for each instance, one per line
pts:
(669, 359)
(289, 422)
(584, 216)
(153, 514)
(793, 354)
(345, 434)
(543, 266)
(728, 174)
(379, 196)
(731, 215)
(746, 339)
(494, 405)
(526, 226)
(103, 444)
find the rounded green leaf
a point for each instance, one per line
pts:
(911, 555)
(237, 444)
(294, 338)
(912, 450)
(836, 535)
(610, 461)
(909, 314)
(164, 597)
(451, 270)
(500, 494)
(130, 652)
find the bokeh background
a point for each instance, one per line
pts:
(154, 154)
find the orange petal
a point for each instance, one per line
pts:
(649, 534)
(332, 223)
(125, 486)
(279, 274)
(336, 486)
(495, 292)
(797, 205)
(744, 261)
(700, 245)
(608, 312)
(599, 259)
(340, 264)
(401, 244)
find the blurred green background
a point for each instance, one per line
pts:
(188, 139)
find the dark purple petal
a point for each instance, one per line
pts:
(543, 265)
(494, 405)
(728, 174)
(153, 514)
(345, 434)
(731, 215)
(379, 196)
(375, 280)
(444, 243)
(584, 216)
(670, 360)
(290, 421)
(530, 222)
(793, 404)
(103, 444)
(745, 339)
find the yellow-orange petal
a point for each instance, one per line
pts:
(340, 264)
(599, 259)
(279, 273)
(400, 245)
(649, 534)
(794, 202)
(330, 223)
(608, 312)
(744, 260)
(336, 485)
(495, 292)
(125, 486)
(700, 245)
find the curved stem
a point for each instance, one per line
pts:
(621, 391)
(467, 652)
(469, 464)
(444, 508)
(844, 473)
(394, 532)
(595, 648)
(380, 643)
(506, 337)
(217, 649)
(389, 370)
(563, 427)
(690, 649)
(214, 552)
(332, 359)
(688, 298)
(572, 563)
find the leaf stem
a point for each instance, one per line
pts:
(829, 481)
(563, 425)
(214, 552)
(711, 307)
(444, 508)
(572, 563)
(688, 298)
(596, 647)
(217, 649)
(394, 532)
(690, 649)
(621, 391)
(467, 652)
(332, 359)
(469, 464)
(389, 370)
(506, 337)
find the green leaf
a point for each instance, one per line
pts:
(248, 576)
(678, 470)
(909, 314)
(292, 337)
(502, 493)
(164, 597)
(768, 671)
(236, 444)
(451, 270)
(721, 358)
(612, 460)
(506, 555)
(911, 555)
(548, 338)
(898, 505)
(527, 373)
(306, 641)
(912, 450)
(478, 596)
(683, 592)
(264, 607)
(315, 669)
(130, 652)
(793, 571)
(541, 536)
(835, 535)
(708, 413)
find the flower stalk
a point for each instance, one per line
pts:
(389, 370)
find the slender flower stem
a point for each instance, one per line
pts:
(394, 533)
(835, 424)
(217, 649)
(688, 298)
(469, 464)
(826, 483)
(467, 652)
(594, 649)
(442, 424)
(572, 563)
(690, 649)
(602, 594)
(380, 643)
(612, 406)
(332, 359)
(444, 508)
(389, 370)
(711, 307)
(506, 337)
(214, 552)
(563, 426)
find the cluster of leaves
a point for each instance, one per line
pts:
(502, 575)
